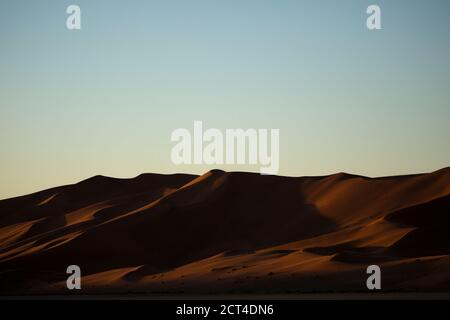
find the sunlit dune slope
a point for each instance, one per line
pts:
(229, 232)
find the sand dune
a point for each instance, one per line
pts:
(228, 232)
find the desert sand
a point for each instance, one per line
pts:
(229, 232)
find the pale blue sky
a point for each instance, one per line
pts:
(105, 99)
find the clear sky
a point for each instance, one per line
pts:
(105, 99)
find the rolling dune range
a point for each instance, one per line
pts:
(229, 232)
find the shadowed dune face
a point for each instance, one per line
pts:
(432, 233)
(229, 232)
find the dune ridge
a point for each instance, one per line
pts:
(229, 232)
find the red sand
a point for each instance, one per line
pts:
(229, 233)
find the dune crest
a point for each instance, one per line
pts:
(229, 232)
